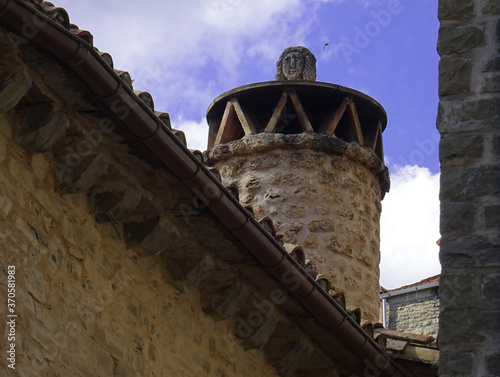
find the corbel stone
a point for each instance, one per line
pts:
(115, 205)
(253, 329)
(153, 235)
(76, 173)
(14, 85)
(288, 349)
(223, 301)
(208, 269)
(39, 126)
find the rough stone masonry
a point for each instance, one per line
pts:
(468, 120)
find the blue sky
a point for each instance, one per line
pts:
(186, 52)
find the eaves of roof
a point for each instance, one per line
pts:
(78, 54)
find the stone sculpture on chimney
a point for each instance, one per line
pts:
(296, 63)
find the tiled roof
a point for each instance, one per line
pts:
(425, 281)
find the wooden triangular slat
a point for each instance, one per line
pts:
(379, 145)
(230, 126)
(246, 122)
(278, 110)
(330, 127)
(355, 125)
(303, 119)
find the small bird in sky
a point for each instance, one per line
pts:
(326, 44)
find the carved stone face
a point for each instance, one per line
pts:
(293, 66)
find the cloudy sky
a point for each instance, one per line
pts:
(186, 52)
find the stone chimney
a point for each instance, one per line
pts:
(309, 155)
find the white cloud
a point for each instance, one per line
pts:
(177, 49)
(410, 227)
(196, 132)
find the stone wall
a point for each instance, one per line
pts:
(87, 305)
(323, 194)
(414, 312)
(468, 120)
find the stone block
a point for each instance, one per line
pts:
(307, 161)
(469, 251)
(456, 289)
(490, 287)
(492, 362)
(457, 364)
(454, 76)
(469, 183)
(492, 65)
(491, 83)
(322, 225)
(492, 217)
(457, 149)
(39, 126)
(253, 330)
(457, 217)
(467, 327)
(155, 235)
(457, 10)
(13, 87)
(468, 115)
(455, 39)
(77, 173)
(295, 212)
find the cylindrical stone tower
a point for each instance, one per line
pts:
(309, 155)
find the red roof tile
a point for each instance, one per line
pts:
(425, 281)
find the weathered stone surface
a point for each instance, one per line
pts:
(492, 65)
(155, 235)
(463, 218)
(13, 86)
(490, 287)
(460, 364)
(470, 251)
(491, 7)
(496, 145)
(330, 189)
(457, 39)
(454, 76)
(84, 176)
(39, 126)
(459, 10)
(296, 63)
(493, 363)
(491, 83)
(470, 115)
(456, 290)
(475, 182)
(492, 216)
(471, 326)
(460, 149)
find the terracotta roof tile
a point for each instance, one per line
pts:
(425, 281)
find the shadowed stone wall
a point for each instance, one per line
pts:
(323, 194)
(87, 305)
(468, 120)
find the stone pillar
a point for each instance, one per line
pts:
(468, 120)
